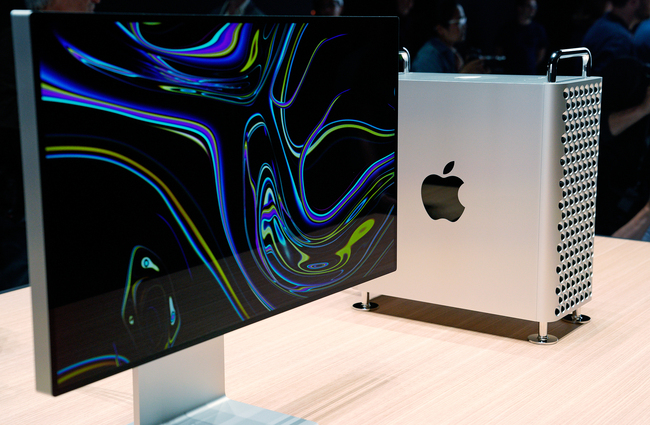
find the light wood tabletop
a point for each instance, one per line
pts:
(405, 363)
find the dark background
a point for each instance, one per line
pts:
(565, 20)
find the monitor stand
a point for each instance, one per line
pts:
(188, 387)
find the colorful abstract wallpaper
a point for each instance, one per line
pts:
(200, 173)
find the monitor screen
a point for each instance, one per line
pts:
(200, 173)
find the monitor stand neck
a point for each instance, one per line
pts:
(188, 387)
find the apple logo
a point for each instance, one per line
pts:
(440, 195)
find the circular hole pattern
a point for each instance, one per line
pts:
(577, 206)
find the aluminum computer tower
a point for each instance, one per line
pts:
(496, 193)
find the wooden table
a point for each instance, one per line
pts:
(406, 363)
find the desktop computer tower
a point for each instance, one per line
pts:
(496, 193)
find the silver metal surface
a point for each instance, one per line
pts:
(577, 318)
(172, 385)
(229, 412)
(526, 152)
(188, 387)
(542, 338)
(32, 185)
(574, 272)
(580, 52)
(365, 304)
(405, 56)
(365, 307)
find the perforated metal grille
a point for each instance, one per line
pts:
(578, 204)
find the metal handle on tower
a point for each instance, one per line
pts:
(580, 52)
(405, 57)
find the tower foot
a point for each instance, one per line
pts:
(365, 304)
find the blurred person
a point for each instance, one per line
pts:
(439, 53)
(327, 7)
(400, 8)
(612, 36)
(238, 8)
(642, 41)
(624, 163)
(523, 41)
(638, 228)
(62, 5)
(404, 7)
(624, 154)
(404, 10)
(584, 17)
(370, 8)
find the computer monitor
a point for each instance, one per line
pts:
(189, 175)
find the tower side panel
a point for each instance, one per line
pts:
(487, 259)
(567, 218)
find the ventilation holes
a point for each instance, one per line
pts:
(578, 187)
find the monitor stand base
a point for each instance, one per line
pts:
(231, 412)
(188, 387)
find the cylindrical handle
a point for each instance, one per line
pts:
(405, 56)
(580, 52)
